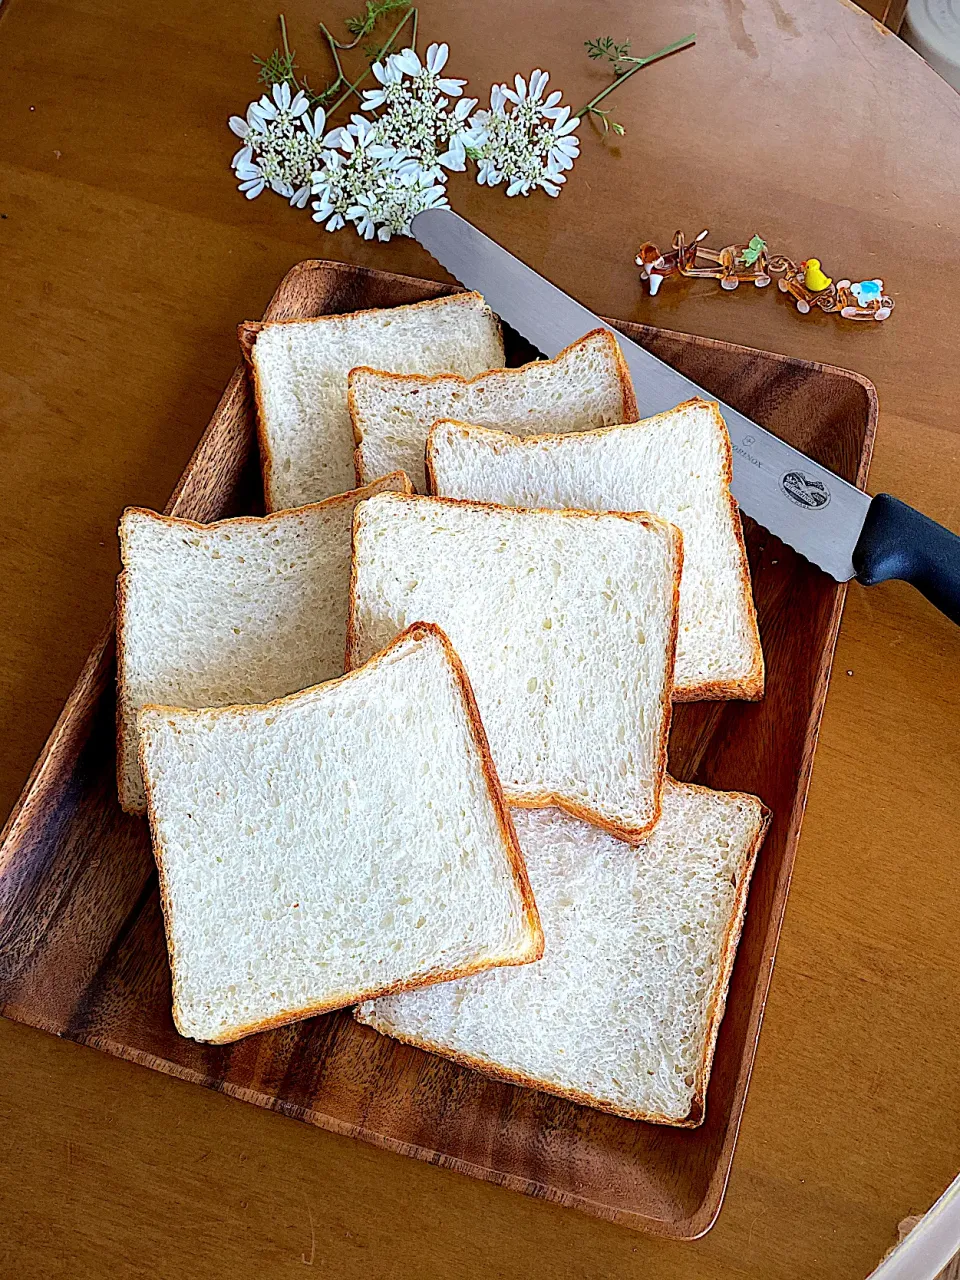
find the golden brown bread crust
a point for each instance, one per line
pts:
(630, 410)
(718, 999)
(515, 860)
(627, 395)
(508, 832)
(395, 482)
(247, 334)
(121, 692)
(748, 688)
(164, 884)
(249, 330)
(508, 1076)
(697, 1113)
(428, 979)
(400, 479)
(545, 800)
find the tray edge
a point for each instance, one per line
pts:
(91, 684)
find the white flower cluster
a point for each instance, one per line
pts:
(413, 111)
(531, 144)
(370, 183)
(383, 168)
(282, 147)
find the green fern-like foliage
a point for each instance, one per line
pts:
(363, 23)
(279, 68)
(605, 48)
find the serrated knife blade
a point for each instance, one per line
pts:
(816, 512)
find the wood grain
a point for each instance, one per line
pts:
(128, 259)
(81, 938)
(889, 12)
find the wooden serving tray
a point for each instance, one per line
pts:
(81, 939)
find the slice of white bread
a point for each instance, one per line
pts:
(300, 372)
(677, 465)
(566, 624)
(623, 1010)
(345, 842)
(243, 610)
(587, 385)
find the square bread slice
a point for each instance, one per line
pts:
(587, 385)
(345, 842)
(623, 1010)
(677, 465)
(244, 610)
(300, 372)
(566, 624)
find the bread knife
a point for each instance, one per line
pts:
(837, 526)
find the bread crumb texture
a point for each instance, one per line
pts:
(676, 465)
(244, 610)
(564, 624)
(301, 371)
(583, 387)
(327, 846)
(619, 1008)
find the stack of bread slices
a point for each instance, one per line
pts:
(402, 741)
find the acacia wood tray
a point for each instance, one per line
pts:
(81, 938)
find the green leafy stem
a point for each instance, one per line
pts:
(281, 66)
(624, 65)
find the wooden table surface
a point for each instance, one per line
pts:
(127, 259)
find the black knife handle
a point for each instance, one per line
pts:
(898, 542)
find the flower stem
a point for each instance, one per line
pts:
(639, 63)
(283, 36)
(286, 50)
(335, 43)
(352, 88)
(334, 46)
